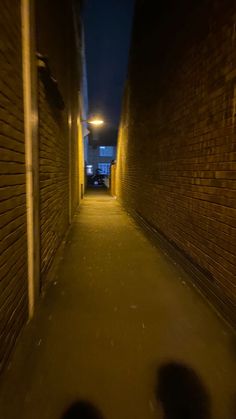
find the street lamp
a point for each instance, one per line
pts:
(95, 121)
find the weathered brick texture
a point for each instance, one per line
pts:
(56, 40)
(54, 198)
(13, 242)
(177, 144)
(58, 150)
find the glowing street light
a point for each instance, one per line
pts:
(96, 122)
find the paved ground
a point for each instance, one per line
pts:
(117, 311)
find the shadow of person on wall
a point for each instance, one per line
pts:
(82, 409)
(181, 393)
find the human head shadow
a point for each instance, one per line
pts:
(181, 393)
(82, 409)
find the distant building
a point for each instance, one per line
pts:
(100, 157)
(101, 149)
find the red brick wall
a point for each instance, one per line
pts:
(177, 144)
(13, 240)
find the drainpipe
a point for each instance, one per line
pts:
(31, 149)
(70, 157)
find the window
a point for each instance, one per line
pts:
(105, 168)
(106, 151)
(89, 169)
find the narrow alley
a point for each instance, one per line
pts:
(117, 309)
(118, 209)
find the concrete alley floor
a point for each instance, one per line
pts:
(117, 309)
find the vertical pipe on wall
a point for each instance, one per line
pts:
(80, 149)
(70, 168)
(31, 149)
(77, 24)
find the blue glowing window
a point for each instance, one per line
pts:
(106, 151)
(105, 168)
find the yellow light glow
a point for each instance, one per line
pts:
(96, 122)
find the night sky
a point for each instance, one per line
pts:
(108, 25)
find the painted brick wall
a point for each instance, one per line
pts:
(177, 143)
(56, 40)
(13, 241)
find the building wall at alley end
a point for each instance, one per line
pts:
(59, 154)
(177, 141)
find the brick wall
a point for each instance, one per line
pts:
(58, 140)
(58, 151)
(177, 144)
(13, 244)
(75, 133)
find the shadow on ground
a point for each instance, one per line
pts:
(82, 409)
(178, 390)
(181, 393)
